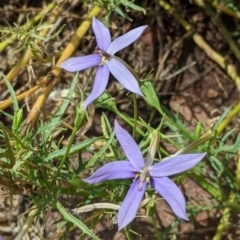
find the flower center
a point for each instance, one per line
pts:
(144, 176)
(105, 56)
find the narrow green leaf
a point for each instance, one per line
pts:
(77, 222)
(205, 184)
(74, 149)
(133, 6)
(17, 120)
(56, 119)
(121, 13)
(100, 153)
(12, 93)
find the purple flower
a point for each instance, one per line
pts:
(143, 173)
(106, 61)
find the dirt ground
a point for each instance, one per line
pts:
(185, 78)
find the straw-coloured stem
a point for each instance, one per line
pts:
(199, 40)
(67, 52)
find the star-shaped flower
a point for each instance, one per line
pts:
(106, 61)
(143, 173)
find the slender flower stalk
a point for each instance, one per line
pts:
(106, 61)
(143, 172)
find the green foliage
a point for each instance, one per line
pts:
(232, 4)
(29, 37)
(33, 160)
(117, 6)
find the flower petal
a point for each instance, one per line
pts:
(102, 34)
(113, 170)
(79, 63)
(130, 204)
(171, 193)
(129, 147)
(176, 164)
(99, 85)
(125, 40)
(124, 76)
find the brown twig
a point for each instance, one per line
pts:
(67, 52)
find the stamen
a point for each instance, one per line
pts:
(143, 177)
(103, 60)
(140, 186)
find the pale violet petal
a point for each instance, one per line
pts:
(130, 204)
(129, 147)
(113, 170)
(102, 34)
(124, 76)
(79, 63)
(99, 85)
(171, 193)
(125, 40)
(176, 164)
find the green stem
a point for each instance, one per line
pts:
(80, 116)
(154, 224)
(204, 138)
(228, 118)
(182, 129)
(127, 120)
(70, 142)
(224, 221)
(135, 113)
(127, 234)
(226, 214)
(27, 223)
(209, 135)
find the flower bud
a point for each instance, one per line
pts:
(155, 139)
